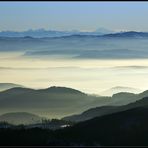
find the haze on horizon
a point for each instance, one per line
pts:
(90, 75)
(83, 16)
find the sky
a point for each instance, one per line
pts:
(84, 16)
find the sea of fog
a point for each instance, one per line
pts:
(90, 65)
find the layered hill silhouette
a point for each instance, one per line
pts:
(124, 125)
(125, 128)
(59, 101)
(104, 110)
(52, 102)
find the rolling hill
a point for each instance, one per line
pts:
(126, 128)
(50, 102)
(104, 110)
(59, 102)
(20, 118)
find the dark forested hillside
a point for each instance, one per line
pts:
(126, 128)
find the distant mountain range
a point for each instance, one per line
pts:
(39, 33)
(124, 45)
(101, 32)
(128, 34)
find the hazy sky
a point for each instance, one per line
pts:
(91, 76)
(74, 15)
